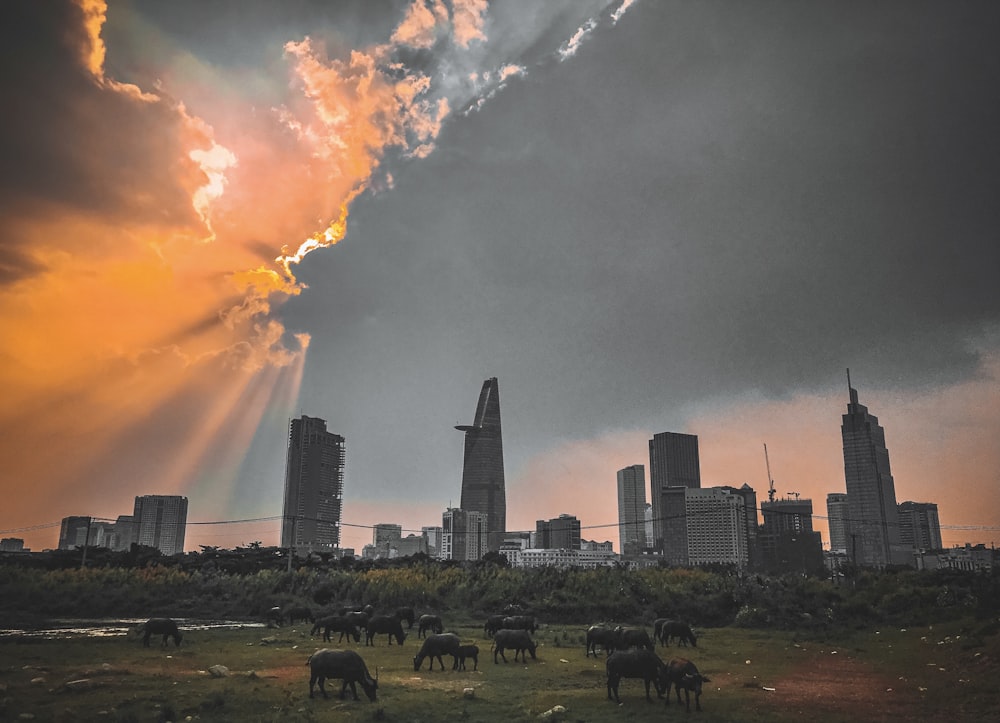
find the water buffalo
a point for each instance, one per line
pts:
(429, 622)
(388, 624)
(632, 638)
(468, 651)
(516, 640)
(640, 663)
(298, 612)
(337, 624)
(682, 673)
(600, 635)
(160, 626)
(435, 646)
(344, 664)
(520, 622)
(406, 615)
(681, 631)
(493, 623)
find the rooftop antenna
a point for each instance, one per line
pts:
(770, 482)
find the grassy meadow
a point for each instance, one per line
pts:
(944, 672)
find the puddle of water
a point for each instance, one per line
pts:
(109, 628)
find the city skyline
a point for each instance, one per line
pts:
(640, 216)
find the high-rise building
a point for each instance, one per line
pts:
(483, 488)
(160, 521)
(836, 516)
(673, 462)
(314, 486)
(463, 534)
(919, 526)
(716, 527)
(871, 493)
(632, 509)
(73, 532)
(559, 533)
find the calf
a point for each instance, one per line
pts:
(682, 673)
(640, 663)
(516, 640)
(344, 664)
(468, 651)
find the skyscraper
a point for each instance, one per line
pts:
(673, 462)
(632, 509)
(483, 488)
(871, 493)
(160, 521)
(314, 486)
(716, 527)
(836, 514)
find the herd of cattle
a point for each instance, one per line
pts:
(629, 652)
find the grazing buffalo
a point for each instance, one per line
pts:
(516, 640)
(429, 622)
(435, 646)
(337, 624)
(344, 664)
(407, 616)
(468, 651)
(600, 635)
(493, 623)
(676, 629)
(160, 626)
(298, 612)
(520, 622)
(682, 673)
(388, 624)
(641, 663)
(632, 638)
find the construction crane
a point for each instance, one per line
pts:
(770, 482)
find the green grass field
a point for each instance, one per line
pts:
(942, 673)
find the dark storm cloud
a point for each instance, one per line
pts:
(710, 199)
(69, 141)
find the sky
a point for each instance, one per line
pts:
(640, 216)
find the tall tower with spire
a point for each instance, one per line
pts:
(873, 520)
(483, 488)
